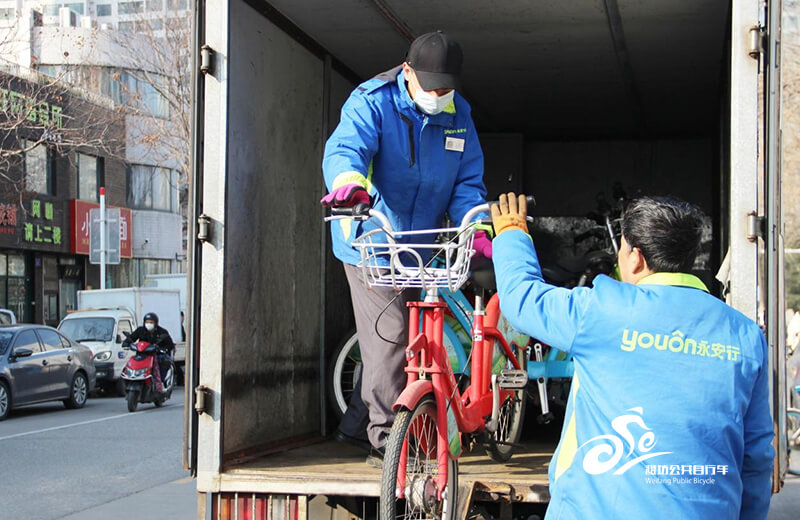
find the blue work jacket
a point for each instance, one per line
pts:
(415, 167)
(668, 415)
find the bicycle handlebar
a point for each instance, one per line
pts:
(389, 263)
(364, 211)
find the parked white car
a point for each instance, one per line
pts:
(7, 317)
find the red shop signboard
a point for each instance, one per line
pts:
(79, 226)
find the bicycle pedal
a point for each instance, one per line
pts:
(512, 379)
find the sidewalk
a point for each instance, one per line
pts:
(175, 500)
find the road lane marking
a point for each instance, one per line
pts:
(34, 432)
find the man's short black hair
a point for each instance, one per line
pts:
(667, 231)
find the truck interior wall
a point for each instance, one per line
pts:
(722, 199)
(273, 284)
(338, 308)
(567, 176)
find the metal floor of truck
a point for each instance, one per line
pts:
(332, 468)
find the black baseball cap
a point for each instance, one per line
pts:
(436, 59)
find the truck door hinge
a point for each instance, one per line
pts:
(202, 396)
(756, 226)
(755, 41)
(206, 59)
(203, 228)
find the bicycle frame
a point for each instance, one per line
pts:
(550, 367)
(427, 358)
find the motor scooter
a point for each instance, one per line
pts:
(138, 376)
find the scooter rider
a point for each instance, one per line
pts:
(669, 413)
(151, 332)
(405, 143)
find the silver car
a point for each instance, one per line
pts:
(39, 364)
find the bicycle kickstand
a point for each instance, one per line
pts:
(541, 382)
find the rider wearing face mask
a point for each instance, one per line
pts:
(152, 333)
(407, 145)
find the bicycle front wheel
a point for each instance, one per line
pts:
(417, 428)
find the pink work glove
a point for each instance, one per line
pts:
(347, 195)
(482, 245)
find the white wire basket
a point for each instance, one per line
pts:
(387, 263)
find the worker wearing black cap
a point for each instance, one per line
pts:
(406, 144)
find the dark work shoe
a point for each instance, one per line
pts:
(340, 436)
(375, 457)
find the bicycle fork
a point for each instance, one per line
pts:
(431, 362)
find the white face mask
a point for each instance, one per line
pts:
(431, 104)
(149, 326)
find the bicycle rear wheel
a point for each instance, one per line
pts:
(344, 371)
(501, 444)
(417, 427)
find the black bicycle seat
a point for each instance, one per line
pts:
(482, 274)
(557, 276)
(573, 264)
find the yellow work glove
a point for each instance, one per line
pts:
(510, 213)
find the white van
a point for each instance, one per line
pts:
(103, 331)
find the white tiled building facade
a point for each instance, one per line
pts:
(123, 15)
(83, 43)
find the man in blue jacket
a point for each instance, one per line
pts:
(668, 415)
(406, 144)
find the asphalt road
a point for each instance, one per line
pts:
(56, 462)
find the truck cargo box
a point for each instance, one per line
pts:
(569, 97)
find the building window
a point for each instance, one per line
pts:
(52, 9)
(130, 7)
(125, 26)
(104, 10)
(90, 177)
(149, 267)
(176, 5)
(8, 14)
(38, 167)
(78, 8)
(155, 5)
(151, 187)
(142, 93)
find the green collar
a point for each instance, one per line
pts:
(679, 279)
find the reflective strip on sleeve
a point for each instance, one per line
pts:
(569, 444)
(346, 226)
(369, 178)
(486, 228)
(351, 177)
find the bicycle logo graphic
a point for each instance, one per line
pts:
(607, 455)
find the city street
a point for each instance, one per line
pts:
(95, 463)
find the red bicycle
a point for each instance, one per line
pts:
(420, 469)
